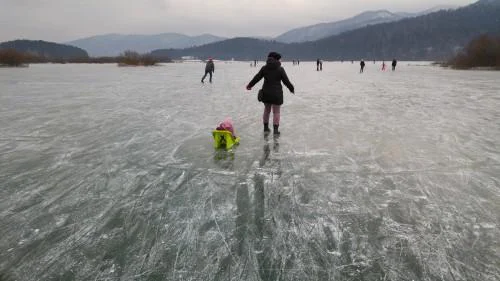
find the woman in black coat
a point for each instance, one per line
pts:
(272, 91)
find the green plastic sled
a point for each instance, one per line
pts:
(224, 139)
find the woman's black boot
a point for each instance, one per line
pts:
(266, 128)
(275, 129)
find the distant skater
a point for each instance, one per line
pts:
(383, 66)
(272, 97)
(319, 65)
(394, 63)
(209, 69)
(362, 64)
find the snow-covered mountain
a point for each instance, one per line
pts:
(114, 44)
(437, 8)
(322, 30)
(318, 31)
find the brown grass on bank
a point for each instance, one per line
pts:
(131, 58)
(483, 51)
(12, 57)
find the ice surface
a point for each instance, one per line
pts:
(109, 173)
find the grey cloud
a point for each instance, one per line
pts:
(64, 20)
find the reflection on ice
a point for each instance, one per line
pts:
(110, 174)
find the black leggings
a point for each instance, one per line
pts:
(207, 72)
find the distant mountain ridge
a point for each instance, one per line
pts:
(45, 49)
(433, 36)
(437, 9)
(323, 30)
(115, 44)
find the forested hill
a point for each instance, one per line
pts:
(435, 36)
(238, 48)
(45, 49)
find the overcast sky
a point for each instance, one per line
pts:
(66, 20)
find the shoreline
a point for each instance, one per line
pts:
(14, 66)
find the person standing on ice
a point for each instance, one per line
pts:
(394, 63)
(383, 66)
(272, 91)
(209, 69)
(362, 64)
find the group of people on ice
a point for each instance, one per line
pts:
(271, 93)
(362, 65)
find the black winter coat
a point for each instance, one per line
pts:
(273, 73)
(210, 67)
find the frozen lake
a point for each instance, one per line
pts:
(109, 173)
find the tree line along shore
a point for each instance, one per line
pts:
(481, 52)
(15, 58)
